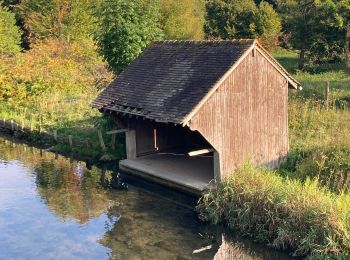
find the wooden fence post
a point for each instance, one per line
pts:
(87, 143)
(100, 137)
(40, 124)
(327, 94)
(24, 118)
(31, 123)
(70, 140)
(55, 135)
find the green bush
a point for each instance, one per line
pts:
(329, 166)
(242, 19)
(283, 213)
(10, 34)
(125, 28)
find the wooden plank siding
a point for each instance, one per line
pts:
(247, 117)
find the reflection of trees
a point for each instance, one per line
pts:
(66, 187)
(71, 191)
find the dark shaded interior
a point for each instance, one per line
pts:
(153, 137)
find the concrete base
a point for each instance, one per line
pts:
(177, 171)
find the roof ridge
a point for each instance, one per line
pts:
(243, 41)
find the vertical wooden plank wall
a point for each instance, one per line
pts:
(247, 117)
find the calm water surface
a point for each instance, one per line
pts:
(52, 207)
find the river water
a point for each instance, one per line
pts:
(54, 207)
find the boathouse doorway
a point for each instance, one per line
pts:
(170, 154)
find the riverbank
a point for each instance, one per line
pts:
(90, 147)
(285, 214)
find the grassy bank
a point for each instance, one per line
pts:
(283, 213)
(304, 206)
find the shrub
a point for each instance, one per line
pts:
(284, 213)
(125, 28)
(10, 34)
(329, 166)
(182, 19)
(242, 19)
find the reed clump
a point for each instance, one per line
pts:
(288, 214)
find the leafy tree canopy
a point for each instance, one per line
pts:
(69, 19)
(182, 19)
(316, 27)
(124, 30)
(10, 34)
(242, 19)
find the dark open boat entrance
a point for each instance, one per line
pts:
(169, 154)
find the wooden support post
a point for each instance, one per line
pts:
(100, 137)
(12, 125)
(327, 94)
(55, 135)
(130, 141)
(113, 141)
(217, 168)
(70, 140)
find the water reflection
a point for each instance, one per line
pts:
(54, 207)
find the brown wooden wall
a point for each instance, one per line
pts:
(247, 117)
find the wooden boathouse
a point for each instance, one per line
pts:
(195, 110)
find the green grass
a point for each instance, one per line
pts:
(71, 115)
(283, 213)
(314, 80)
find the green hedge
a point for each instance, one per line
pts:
(286, 214)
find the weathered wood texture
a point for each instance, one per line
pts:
(247, 117)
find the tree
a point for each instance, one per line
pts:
(344, 9)
(242, 19)
(182, 19)
(316, 28)
(10, 34)
(124, 30)
(268, 24)
(69, 19)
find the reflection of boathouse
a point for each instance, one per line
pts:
(194, 110)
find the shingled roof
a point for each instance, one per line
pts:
(168, 80)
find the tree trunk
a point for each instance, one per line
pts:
(347, 47)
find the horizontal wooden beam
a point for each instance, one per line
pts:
(200, 152)
(117, 131)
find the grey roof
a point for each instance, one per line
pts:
(170, 78)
